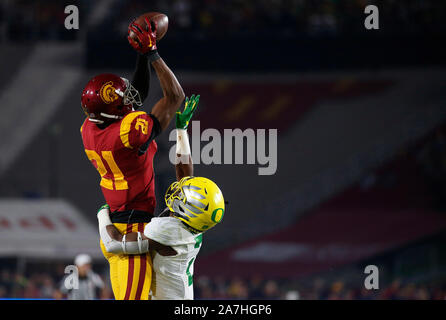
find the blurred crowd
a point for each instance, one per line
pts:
(36, 284)
(42, 284)
(44, 19)
(289, 18)
(316, 289)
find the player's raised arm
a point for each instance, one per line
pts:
(141, 77)
(165, 109)
(183, 162)
(131, 243)
(173, 94)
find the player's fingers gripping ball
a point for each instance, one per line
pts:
(183, 118)
(145, 37)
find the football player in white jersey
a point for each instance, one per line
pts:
(194, 205)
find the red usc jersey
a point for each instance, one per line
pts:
(127, 179)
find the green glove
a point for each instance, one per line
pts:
(183, 118)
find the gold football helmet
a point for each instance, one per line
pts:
(196, 201)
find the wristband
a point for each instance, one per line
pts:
(153, 55)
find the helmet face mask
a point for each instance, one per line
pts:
(108, 97)
(130, 96)
(174, 196)
(196, 201)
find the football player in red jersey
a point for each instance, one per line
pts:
(119, 142)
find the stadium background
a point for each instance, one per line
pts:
(361, 176)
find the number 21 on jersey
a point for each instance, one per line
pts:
(118, 177)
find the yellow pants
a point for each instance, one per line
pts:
(130, 275)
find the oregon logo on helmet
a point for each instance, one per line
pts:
(217, 215)
(107, 92)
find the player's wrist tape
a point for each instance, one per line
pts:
(118, 247)
(135, 247)
(183, 147)
(124, 247)
(104, 218)
(153, 55)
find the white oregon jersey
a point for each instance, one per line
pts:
(173, 275)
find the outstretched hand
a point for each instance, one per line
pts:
(183, 118)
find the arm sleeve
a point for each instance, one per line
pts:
(141, 76)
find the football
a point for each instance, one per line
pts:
(161, 20)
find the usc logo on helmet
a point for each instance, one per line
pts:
(107, 93)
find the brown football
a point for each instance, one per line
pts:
(161, 20)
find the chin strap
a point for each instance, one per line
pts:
(110, 116)
(105, 115)
(96, 120)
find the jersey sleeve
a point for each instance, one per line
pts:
(136, 129)
(168, 232)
